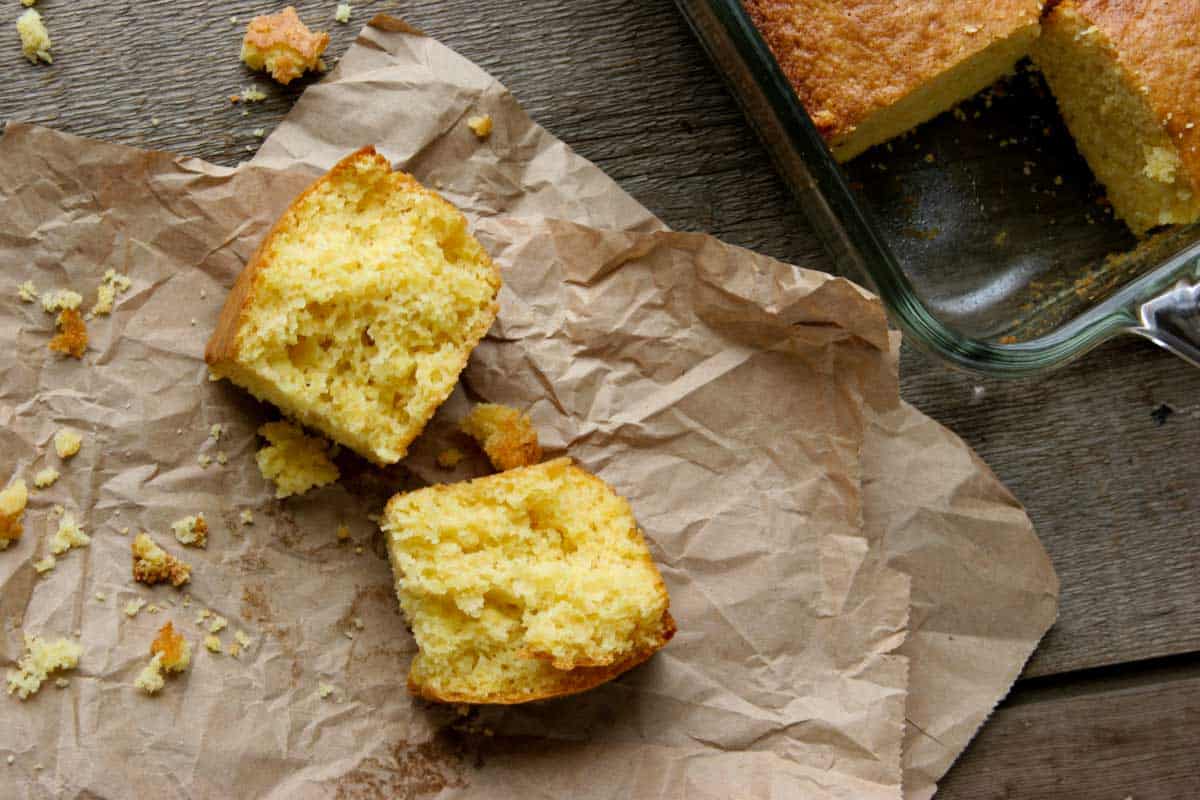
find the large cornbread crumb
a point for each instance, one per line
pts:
(174, 648)
(191, 530)
(27, 292)
(67, 535)
(530, 583)
(293, 461)
(67, 442)
(46, 478)
(40, 659)
(35, 39)
(282, 45)
(505, 434)
(1125, 77)
(150, 679)
(12, 509)
(60, 300)
(152, 564)
(359, 310)
(72, 337)
(113, 284)
(481, 126)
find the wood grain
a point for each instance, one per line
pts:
(1113, 493)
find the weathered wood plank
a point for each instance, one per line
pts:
(1138, 742)
(624, 82)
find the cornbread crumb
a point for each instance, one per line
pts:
(150, 679)
(112, 285)
(100, 597)
(530, 583)
(191, 531)
(27, 292)
(67, 442)
(342, 14)
(152, 609)
(45, 565)
(481, 126)
(68, 535)
(324, 690)
(202, 615)
(45, 478)
(28, 3)
(152, 564)
(72, 337)
(242, 639)
(174, 648)
(252, 94)
(62, 683)
(505, 434)
(13, 499)
(358, 623)
(365, 362)
(235, 649)
(60, 300)
(450, 458)
(203, 460)
(218, 624)
(293, 461)
(12, 758)
(134, 606)
(40, 659)
(35, 39)
(215, 431)
(212, 643)
(247, 516)
(282, 45)
(343, 532)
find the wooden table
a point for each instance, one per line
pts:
(1110, 705)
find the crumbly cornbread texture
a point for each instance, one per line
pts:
(1126, 74)
(67, 442)
(152, 564)
(12, 509)
(505, 434)
(40, 659)
(293, 461)
(282, 45)
(72, 337)
(191, 530)
(35, 39)
(67, 535)
(526, 584)
(868, 70)
(360, 308)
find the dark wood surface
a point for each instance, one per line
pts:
(1112, 491)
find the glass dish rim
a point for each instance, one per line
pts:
(1120, 313)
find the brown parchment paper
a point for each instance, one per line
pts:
(665, 362)
(983, 587)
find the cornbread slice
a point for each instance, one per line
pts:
(527, 584)
(283, 45)
(869, 70)
(1126, 74)
(12, 509)
(360, 308)
(505, 434)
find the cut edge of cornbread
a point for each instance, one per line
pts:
(938, 95)
(1126, 145)
(226, 348)
(486, 600)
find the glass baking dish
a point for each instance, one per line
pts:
(983, 231)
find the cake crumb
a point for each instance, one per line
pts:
(67, 442)
(35, 39)
(294, 461)
(212, 644)
(191, 531)
(450, 458)
(134, 606)
(27, 292)
(40, 659)
(45, 478)
(152, 564)
(283, 45)
(72, 337)
(481, 126)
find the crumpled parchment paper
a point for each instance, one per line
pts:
(645, 405)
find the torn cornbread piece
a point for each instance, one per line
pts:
(1126, 75)
(481, 126)
(27, 292)
(67, 535)
(35, 39)
(46, 478)
(113, 284)
(530, 583)
(72, 337)
(282, 45)
(60, 300)
(505, 434)
(67, 442)
(169, 652)
(868, 71)
(191, 530)
(40, 659)
(13, 499)
(360, 308)
(293, 461)
(152, 564)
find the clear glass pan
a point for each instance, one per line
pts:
(983, 231)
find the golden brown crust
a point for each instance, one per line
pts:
(1158, 44)
(569, 682)
(282, 32)
(72, 337)
(847, 60)
(168, 644)
(505, 434)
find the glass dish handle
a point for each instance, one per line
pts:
(1172, 320)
